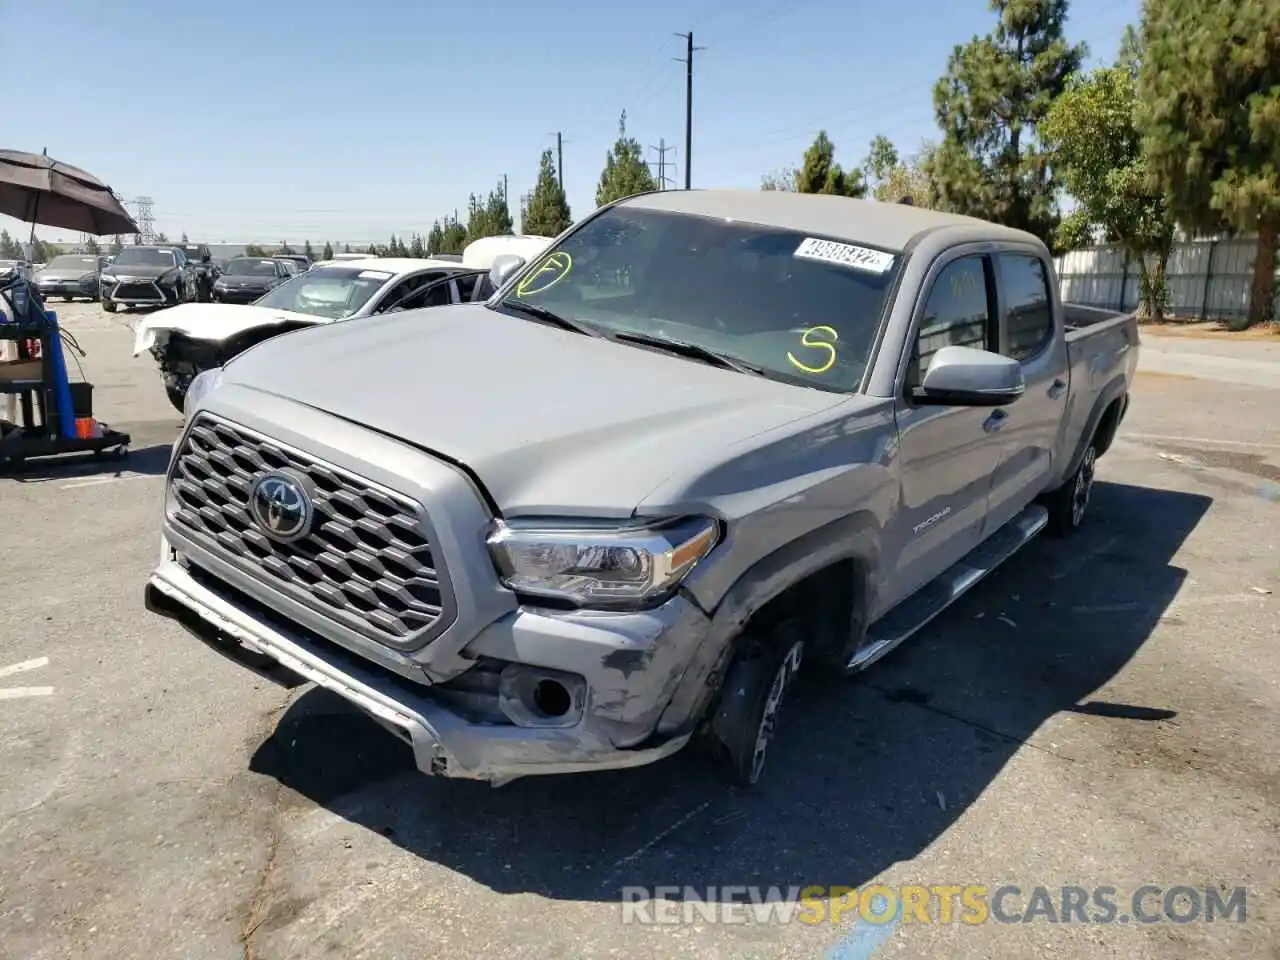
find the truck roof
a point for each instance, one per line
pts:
(890, 226)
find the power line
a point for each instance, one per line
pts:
(687, 60)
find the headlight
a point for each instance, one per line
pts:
(600, 565)
(202, 384)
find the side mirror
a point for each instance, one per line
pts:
(504, 267)
(966, 377)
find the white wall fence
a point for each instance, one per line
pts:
(1207, 279)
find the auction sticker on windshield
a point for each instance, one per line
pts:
(844, 254)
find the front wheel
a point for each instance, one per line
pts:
(750, 704)
(1070, 502)
(108, 306)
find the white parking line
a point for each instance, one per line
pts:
(98, 481)
(1164, 438)
(24, 666)
(18, 693)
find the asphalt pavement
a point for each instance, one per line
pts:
(1102, 713)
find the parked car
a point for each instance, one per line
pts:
(301, 259)
(207, 269)
(245, 279)
(707, 439)
(70, 276)
(189, 340)
(148, 276)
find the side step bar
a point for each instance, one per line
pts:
(916, 612)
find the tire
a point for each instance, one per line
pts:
(108, 306)
(746, 714)
(1070, 502)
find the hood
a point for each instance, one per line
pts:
(549, 420)
(62, 273)
(140, 270)
(215, 322)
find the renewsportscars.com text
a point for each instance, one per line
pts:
(970, 904)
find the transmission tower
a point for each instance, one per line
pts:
(146, 219)
(663, 164)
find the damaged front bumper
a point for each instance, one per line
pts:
(624, 675)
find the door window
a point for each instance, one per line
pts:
(421, 291)
(1028, 309)
(958, 313)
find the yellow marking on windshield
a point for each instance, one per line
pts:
(811, 340)
(557, 265)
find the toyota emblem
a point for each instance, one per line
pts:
(281, 506)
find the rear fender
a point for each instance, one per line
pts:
(1115, 392)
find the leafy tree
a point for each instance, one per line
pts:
(548, 212)
(373, 250)
(1096, 148)
(454, 237)
(184, 237)
(989, 105)
(116, 245)
(284, 248)
(42, 251)
(625, 172)
(819, 172)
(783, 180)
(327, 252)
(137, 239)
(1075, 232)
(346, 248)
(1209, 89)
(881, 160)
(417, 248)
(9, 249)
(254, 250)
(161, 238)
(91, 246)
(308, 250)
(435, 239)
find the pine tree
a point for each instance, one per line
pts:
(327, 252)
(435, 239)
(819, 172)
(996, 91)
(308, 250)
(548, 212)
(454, 237)
(625, 172)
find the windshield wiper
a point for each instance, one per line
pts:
(548, 316)
(694, 351)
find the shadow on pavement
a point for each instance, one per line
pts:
(150, 461)
(863, 774)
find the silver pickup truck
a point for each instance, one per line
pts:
(707, 438)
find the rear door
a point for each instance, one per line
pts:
(1030, 332)
(946, 454)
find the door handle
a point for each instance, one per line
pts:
(1057, 389)
(995, 421)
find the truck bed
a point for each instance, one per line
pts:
(1077, 316)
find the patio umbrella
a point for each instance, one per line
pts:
(40, 190)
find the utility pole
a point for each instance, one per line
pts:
(662, 164)
(687, 60)
(560, 158)
(524, 208)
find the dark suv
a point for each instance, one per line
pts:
(150, 276)
(207, 269)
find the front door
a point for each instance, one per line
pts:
(1030, 334)
(946, 455)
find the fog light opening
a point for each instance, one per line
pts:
(551, 698)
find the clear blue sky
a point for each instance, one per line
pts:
(347, 120)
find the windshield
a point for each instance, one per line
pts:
(332, 292)
(73, 262)
(145, 257)
(244, 267)
(802, 309)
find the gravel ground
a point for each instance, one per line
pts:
(1102, 713)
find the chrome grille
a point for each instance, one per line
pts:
(366, 562)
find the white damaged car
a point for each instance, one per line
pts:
(193, 337)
